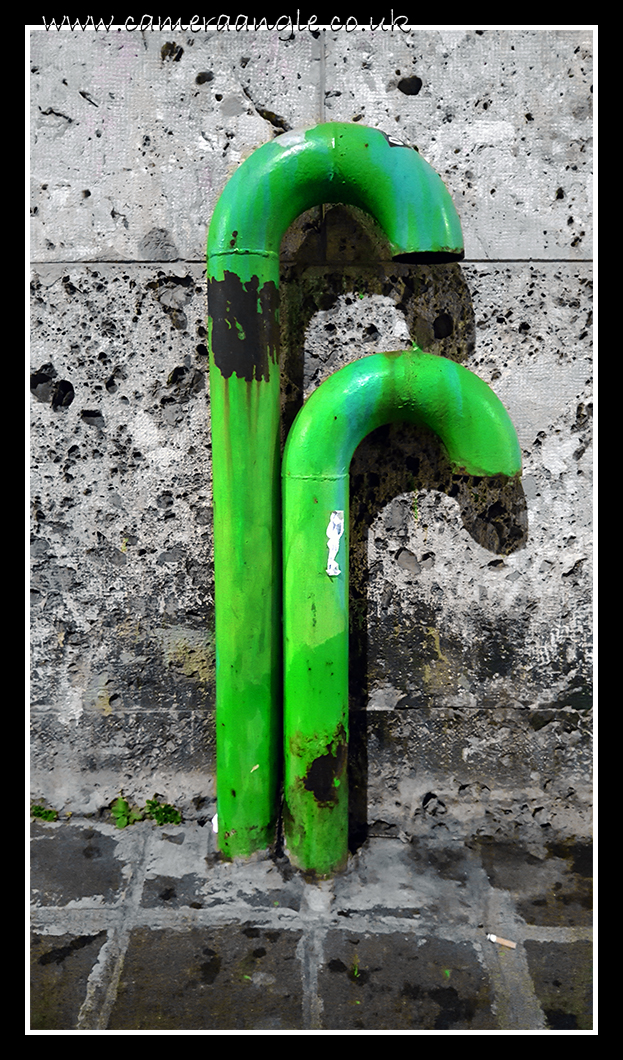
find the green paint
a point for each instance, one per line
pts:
(479, 438)
(337, 163)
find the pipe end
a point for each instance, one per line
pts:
(429, 257)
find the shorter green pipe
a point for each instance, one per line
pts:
(479, 438)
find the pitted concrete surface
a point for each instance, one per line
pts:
(148, 929)
(461, 594)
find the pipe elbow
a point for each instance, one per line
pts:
(427, 390)
(335, 162)
(391, 181)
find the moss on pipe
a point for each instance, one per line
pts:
(479, 437)
(337, 163)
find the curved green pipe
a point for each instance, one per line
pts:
(335, 163)
(479, 438)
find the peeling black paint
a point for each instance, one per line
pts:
(245, 328)
(325, 770)
(393, 141)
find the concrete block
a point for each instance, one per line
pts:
(504, 116)
(462, 594)
(134, 135)
(128, 125)
(419, 772)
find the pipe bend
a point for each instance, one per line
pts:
(335, 162)
(470, 420)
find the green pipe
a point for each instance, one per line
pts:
(335, 163)
(479, 438)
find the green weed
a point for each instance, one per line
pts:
(123, 814)
(43, 814)
(162, 813)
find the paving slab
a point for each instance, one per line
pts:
(149, 929)
(562, 976)
(235, 977)
(397, 981)
(59, 971)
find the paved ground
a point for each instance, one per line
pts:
(147, 929)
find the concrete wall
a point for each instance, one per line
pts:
(471, 601)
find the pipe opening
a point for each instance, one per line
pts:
(429, 257)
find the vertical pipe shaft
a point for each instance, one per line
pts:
(244, 409)
(315, 674)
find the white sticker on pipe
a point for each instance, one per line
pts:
(335, 530)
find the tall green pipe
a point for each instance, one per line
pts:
(479, 438)
(334, 163)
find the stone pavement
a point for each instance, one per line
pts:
(148, 929)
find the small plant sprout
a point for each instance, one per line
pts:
(43, 814)
(123, 814)
(162, 813)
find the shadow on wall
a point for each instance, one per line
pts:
(493, 512)
(398, 458)
(342, 252)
